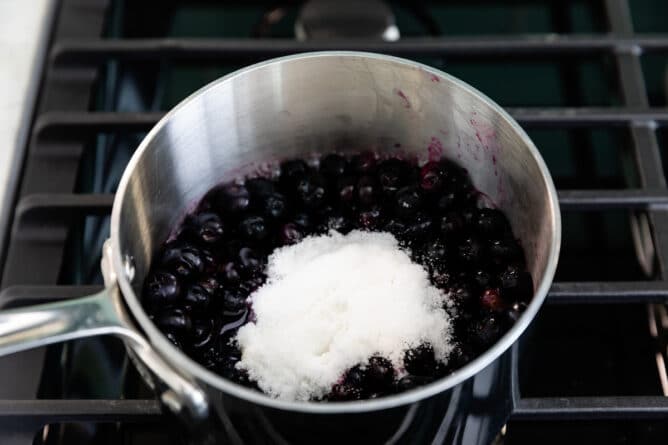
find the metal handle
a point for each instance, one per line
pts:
(98, 314)
(42, 325)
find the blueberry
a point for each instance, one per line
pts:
(260, 187)
(303, 221)
(173, 320)
(505, 250)
(516, 282)
(185, 261)
(209, 357)
(409, 382)
(431, 177)
(447, 201)
(345, 189)
(356, 377)
(470, 251)
(420, 360)
(396, 228)
(380, 374)
(491, 300)
(206, 228)
(510, 277)
(227, 368)
(408, 202)
(451, 224)
(162, 288)
(234, 199)
(333, 166)
(210, 284)
(311, 191)
(254, 228)
(514, 312)
(461, 294)
(273, 206)
(197, 297)
(342, 392)
(201, 334)
(230, 273)
(486, 331)
(367, 190)
(491, 223)
(420, 227)
(441, 278)
(290, 233)
(293, 171)
(250, 261)
(434, 255)
(210, 262)
(234, 301)
(369, 219)
(482, 278)
(339, 223)
(460, 357)
(392, 174)
(363, 163)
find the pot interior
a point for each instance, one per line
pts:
(348, 102)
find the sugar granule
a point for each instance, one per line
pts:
(331, 302)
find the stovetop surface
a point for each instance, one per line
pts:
(590, 92)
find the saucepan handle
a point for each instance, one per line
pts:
(99, 314)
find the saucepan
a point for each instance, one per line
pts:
(293, 107)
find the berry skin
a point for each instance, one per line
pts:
(162, 288)
(409, 382)
(333, 166)
(290, 234)
(260, 187)
(431, 177)
(369, 219)
(254, 228)
(380, 374)
(173, 320)
(491, 223)
(233, 199)
(206, 228)
(408, 202)
(363, 163)
(485, 332)
(185, 261)
(470, 251)
(344, 393)
(274, 206)
(392, 174)
(491, 300)
(421, 360)
(292, 171)
(367, 191)
(197, 297)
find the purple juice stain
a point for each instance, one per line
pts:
(435, 149)
(407, 103)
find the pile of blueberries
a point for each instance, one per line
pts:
(197, 289)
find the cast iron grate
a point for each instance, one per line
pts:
(47, 207)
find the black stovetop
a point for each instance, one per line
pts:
(590, 91)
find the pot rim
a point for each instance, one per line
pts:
(189, 368)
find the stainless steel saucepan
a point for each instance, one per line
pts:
(290, 107)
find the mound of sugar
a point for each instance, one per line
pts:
(333, 301)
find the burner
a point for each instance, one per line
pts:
(332, 19)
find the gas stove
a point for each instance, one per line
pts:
(587, 79)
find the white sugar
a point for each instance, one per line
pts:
(333, 301)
